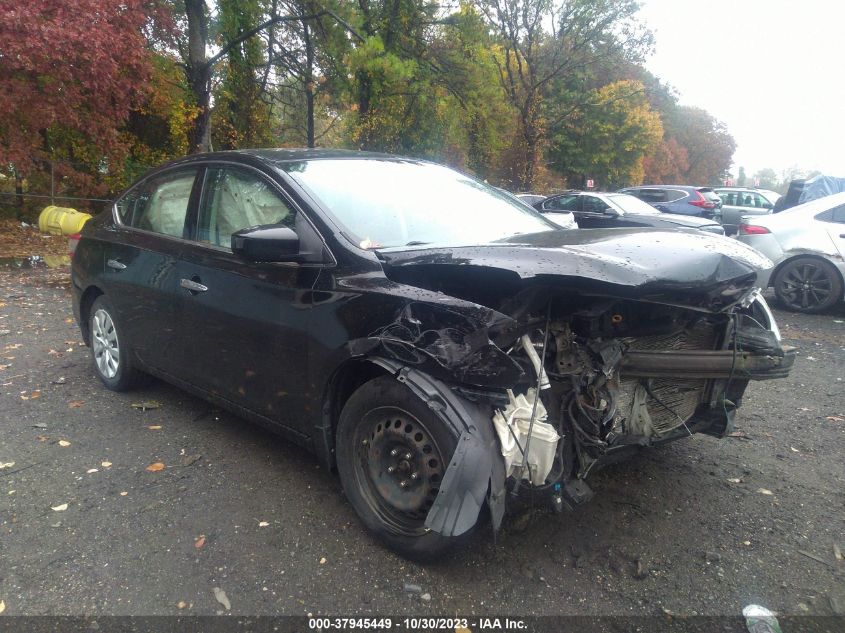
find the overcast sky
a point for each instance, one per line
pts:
(772, 70)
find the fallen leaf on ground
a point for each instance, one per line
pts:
(92, 470)
(154, 427)
(794, 450)
(35, 394)
(155, 467)
(200, 541)
(221, 597)
(835, 418)
(147, 404)
(765, 491)
(837, 553)
(323, 560)
(105, 464)
(263, 524)
(2, 606)
(187, 460)
(64, 443)
(740, 434)
(59, 508)
(6, 465)
(181, 604)
(746, 542)
(735, 480)
(123, 493)
(75, 404)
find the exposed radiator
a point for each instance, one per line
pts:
(656, 406)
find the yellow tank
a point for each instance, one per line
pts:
(61, 220)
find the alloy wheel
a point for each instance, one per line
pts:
(105, 344)
(805, 286)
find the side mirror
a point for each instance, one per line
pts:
(266, 244)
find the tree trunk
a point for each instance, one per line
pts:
(309, 84)
(19, 212)
(198, 75)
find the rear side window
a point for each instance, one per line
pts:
(651, 195)
(159, 204)
(836, 214)
(673, 195)
(235, 199)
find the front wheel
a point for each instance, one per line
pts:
(807, 284)
(110, 349)
(392, 453)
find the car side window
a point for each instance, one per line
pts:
(561, 203)
(836, 214)
(672, 195)
(160, 204)
(594, 205)
(234, 199)
(651, 195)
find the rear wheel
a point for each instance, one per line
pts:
(807, 284)
(392, 453)
(110, 349)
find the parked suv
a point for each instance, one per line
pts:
(744, 201)
(680, 199)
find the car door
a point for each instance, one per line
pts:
(246, 324)
(595, 213)
(139, 274)
(560, 209)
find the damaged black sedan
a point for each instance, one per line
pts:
(442, 346)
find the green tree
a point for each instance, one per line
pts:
(609, 139)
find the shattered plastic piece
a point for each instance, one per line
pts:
(146, 405)
(221, 597)
(760, 620)
(512, 425)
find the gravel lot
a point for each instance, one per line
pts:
(698, 527)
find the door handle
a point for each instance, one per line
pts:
(116, 264)
(192, 286)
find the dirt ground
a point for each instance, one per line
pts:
(701, 526)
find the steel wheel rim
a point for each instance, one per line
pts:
(806, 286)
(391, 438)
(105, 344)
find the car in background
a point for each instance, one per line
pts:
(679, 199)
(807, 245)
(741, 201)
(593, 210)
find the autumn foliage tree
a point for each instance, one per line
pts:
(70, 73)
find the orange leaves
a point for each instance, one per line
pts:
(155, 467)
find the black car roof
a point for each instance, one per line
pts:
(287, 155)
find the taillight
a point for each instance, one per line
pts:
(752, 229)
(72, 243)
(702, 202)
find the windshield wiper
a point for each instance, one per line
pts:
(416, 243)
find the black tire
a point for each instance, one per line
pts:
(383, 423)
(808, 284)
(110, 349)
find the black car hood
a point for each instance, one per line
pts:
(678, 267)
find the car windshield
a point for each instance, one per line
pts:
(384, 203)
(631, 204)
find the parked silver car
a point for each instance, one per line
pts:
(741, 201)
(807, 245)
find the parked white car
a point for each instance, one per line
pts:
(807, 245)
(743, 201)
